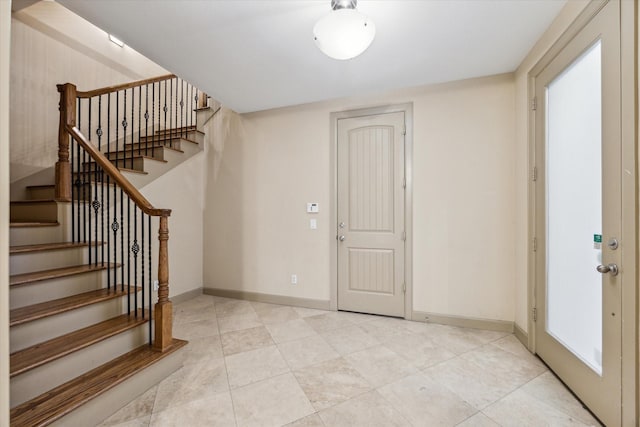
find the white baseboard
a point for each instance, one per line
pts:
(464, 322)
(268, 298)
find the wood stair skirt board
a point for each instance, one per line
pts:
(62, 400)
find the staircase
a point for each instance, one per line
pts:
(86, 337)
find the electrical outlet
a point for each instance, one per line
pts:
(294, 279)
(156, 285)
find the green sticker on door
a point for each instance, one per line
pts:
(597, 241)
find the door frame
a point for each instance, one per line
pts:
(407, 108)
(630, 186)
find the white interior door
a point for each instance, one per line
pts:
(371, 221)
(578, 215)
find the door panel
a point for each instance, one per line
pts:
(578, 212)
(371, 214)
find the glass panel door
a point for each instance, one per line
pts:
(578, 202)
(574, 208)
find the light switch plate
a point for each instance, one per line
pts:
(313, 224)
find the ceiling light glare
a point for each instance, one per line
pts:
(344, 33)
(116, 40)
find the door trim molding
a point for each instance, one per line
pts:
(630, 186)
(407, 108)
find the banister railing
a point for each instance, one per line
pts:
(108, 213)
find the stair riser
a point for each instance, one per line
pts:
(31, 333)
(40, 193)
(39, 380)
(156, 153)
(137, 164)
(45, 290)
(107, 404)
(190, 135)
(35, 235)
(45, 260)
(34, 212)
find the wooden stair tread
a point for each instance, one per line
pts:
(18, 224)
(143, 147)
(134, 157)
(29, 313)
(164, 138)
(39, 354)
(177, 129)
(54, 404)
(42, 186)
(105, 174)
(36, 276)
(43, 247)
(32, 202)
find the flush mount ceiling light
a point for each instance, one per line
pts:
(344, 33)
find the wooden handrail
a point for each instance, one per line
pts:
(109, 89)
(116, 175)
(67, 129)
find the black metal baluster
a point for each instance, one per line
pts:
(139, 150)
(123, 161)
(117, 152)
(150, 284)
(176, 100)
(182, 130)
(101, 205)
(108, 126)
(128, 255)
(170, 102)
(115, 227)
(86, 200)
(135, 249)
(109, 282)
(165, 113)
(153, 116)
(146, 122)
(133, 99)
(190, 94)
(77, 183)
(142, 259)
(122, 266)
(81, 201)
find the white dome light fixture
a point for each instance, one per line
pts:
(344, 33)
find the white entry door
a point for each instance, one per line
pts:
(578, 215)
(371, 220)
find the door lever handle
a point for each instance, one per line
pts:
(610, 268)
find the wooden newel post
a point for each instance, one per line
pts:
(163, 310)
(67, 117)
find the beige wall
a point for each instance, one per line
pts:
(264, 167)
(181, 189)
(51, 45)
(5, 45)
(522, 178)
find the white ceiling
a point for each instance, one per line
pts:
(258, 54)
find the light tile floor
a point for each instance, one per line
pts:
(255, 364)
